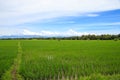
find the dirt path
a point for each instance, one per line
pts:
(14, 72)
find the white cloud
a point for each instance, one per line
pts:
(8, 32)
(13, 12)
(102, 24)
(109, 28)
(51, 33)
(92, 15)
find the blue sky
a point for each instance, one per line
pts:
(59, 17)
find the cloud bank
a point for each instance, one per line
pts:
(52, 33)
(14, 12)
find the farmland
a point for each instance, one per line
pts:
(8, 51)
(60, 60)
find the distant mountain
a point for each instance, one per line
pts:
(20, 36)
(26, 36)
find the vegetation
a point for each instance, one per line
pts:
(83, 37)
(13, 72)
(8, 51)
(64, 60)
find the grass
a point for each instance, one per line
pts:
(63, 60)
(13, 72)
(8, 51)
(69, 59)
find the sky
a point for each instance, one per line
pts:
(59, 17)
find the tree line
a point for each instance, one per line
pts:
(83, 37)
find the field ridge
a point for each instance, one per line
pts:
(13, 72)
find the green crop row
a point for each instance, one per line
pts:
(45, 60)
(60, 60)
(8, 51)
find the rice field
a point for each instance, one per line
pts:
(60, 60)
(8, 51)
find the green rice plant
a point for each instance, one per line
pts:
(8, 51)
(61, 60)
(50, 59)
(13, 72)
